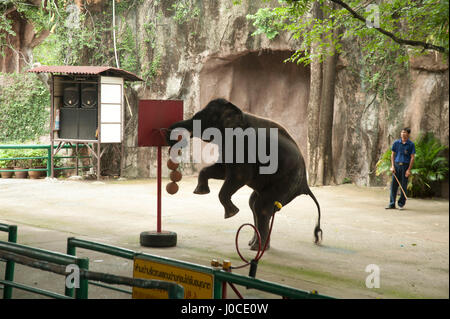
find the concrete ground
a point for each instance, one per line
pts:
(410, 247)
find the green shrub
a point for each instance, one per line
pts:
(346, 180)
(429, 166)
(38, 153)
(383, 165)
(24, 108)
(22, 154)
(6, 154)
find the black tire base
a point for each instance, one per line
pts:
(155, 239)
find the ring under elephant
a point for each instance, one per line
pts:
(281, 185)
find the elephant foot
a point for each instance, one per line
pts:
(231, 211)
(201, 189)
(253, 241)
(255, 246)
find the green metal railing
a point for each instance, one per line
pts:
(41, 259)
(220, 276)
(44, 257)
(74, 243)
(57, 262)
(9, 270)
(47, 158)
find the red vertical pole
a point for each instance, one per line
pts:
(158, 227)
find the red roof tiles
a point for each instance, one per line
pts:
(101, 70)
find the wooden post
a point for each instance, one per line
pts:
(52, 126)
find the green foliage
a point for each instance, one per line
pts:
(150, 69)
(21, 154)
(81, 38)
(6, 153)
(85, 38)
(24, 108)
(381, 58)
(266, 22)
(425, 20)
(429, 165)
(127, 50)
(75, 34)
(150, 54)
(38, 162)
(43, 17)
(346, 180)
(184, 11)
(383, 165)
(5, 31)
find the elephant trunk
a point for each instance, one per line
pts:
(186, 124)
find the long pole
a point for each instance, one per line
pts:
(158, 227)
(400, 185)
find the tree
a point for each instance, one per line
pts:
(320, 111)
(387, 33)
(24, 24)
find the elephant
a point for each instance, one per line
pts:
(272, 190)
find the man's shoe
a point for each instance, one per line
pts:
(401, 207)
(390, 207)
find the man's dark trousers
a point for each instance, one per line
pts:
(400, 170)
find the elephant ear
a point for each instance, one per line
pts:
(232, 116)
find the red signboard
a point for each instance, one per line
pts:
(154, 116)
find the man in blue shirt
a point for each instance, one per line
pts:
(402, 160)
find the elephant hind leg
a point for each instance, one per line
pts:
(264, 208)
(251, 203)
(263, 211)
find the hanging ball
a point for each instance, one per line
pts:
(175, 176)
(172, 165)
(172, 188)
(170, 150)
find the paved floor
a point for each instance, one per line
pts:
(409, 247)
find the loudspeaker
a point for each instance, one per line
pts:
(89, 96)
(71, 95)
(78, 123)
(87, 124)
(68, 122)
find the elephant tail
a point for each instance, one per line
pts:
(317, 229)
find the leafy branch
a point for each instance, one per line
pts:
(425, 45)
(421, 23)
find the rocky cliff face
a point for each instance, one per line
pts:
(365, 125)
(210, 53)
(206, 51)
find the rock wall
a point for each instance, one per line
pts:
(365, 125)
(210, 55)
(209, 52)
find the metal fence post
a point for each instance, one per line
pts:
(49, 160)
(82, 292)
(217, 287)
(9, 271)
(71, 250)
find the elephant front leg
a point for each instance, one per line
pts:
(229, 187)
(216, 171)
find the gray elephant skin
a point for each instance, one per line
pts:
(282, 186)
